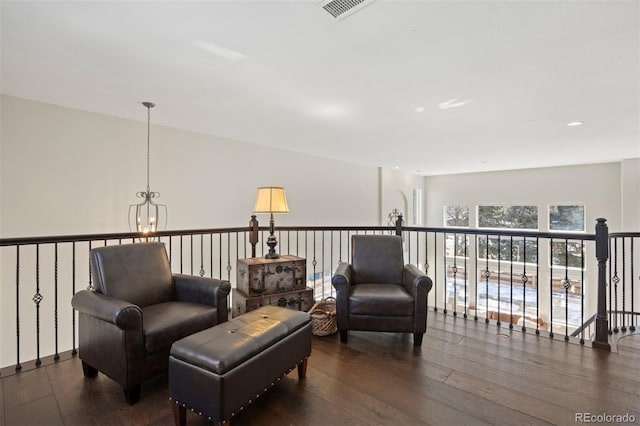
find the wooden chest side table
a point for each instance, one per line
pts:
(279, 282)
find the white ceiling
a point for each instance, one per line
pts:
(287, 74)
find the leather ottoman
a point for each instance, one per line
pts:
(219, 371)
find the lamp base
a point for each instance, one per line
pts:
(272, 243)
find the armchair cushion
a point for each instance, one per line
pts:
(380, 300)
(137, 273)
(377, 260)
(167, 322)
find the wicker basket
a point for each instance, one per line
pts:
(323, 317)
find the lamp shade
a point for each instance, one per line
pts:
(271, 199)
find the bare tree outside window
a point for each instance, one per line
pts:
(456, 216)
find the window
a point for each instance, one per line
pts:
(508, 217)
(456, 216)
(566, 218)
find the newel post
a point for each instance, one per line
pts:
(253, 234)
(399, 225)
(602, 254)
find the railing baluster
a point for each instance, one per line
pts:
(610, 312)
(511, 283)
(477, 278)
(211, 254)
(37, 298)
(202, 271)
(18, 365)
(445, 268)
(228, 257)
(90, 286)
(566, 285)
(331, 257)
(582, 267)
(314, 263)
(487, 274)
(499, 281)
(632, 327)
(623, 327)
(220, 255)
(56, 355)
(466, 274)
(455, 274)
(74, 350)
(524, 285)
(615, 281)
(537, 286)
(322, 266)
(551, 289)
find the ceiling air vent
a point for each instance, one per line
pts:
(340, 9)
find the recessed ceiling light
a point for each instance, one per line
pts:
(420, 109)
(396, 167)
(575, 123)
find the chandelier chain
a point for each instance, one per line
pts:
(148, 143)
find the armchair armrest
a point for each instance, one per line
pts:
(121, 313)
(415, 281)
(208, 291)
(341, 281)
(418, 284)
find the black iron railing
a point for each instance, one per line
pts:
(624, 277)
(536, 282)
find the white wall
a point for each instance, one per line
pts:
(630, 193)
(66, 171)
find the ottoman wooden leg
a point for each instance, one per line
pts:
(302, 369)
(179, 415)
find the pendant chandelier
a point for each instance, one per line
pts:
(147, 217)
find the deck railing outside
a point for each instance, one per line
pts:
(539, 283)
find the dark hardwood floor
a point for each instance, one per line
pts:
(466, 373)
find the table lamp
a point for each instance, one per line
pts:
(271, 199)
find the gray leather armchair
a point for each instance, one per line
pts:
(138, 309)
(377, 292)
